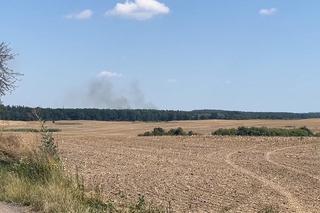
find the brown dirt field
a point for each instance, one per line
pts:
(199, 173)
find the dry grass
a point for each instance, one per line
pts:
(13, 148)
(10, 148)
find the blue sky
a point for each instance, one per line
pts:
(254, 55)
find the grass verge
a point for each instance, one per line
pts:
(37, 179)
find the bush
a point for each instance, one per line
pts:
(264, 131)
(155, 132)
(172, 132)
(158, 131)
(225, 132)
(176, 132)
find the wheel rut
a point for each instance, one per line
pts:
(268, 158)
(292, 201)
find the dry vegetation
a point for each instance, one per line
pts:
(196, 174)
(32, 175)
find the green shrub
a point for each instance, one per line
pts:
(176, 132)
(264, 131)
(158, 131)
(172, 132)
(225, 132)
(155, 132)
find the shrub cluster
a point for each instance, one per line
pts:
(172, 132)
(264, 131)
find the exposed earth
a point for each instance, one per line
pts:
(7, 208)
(199, 173)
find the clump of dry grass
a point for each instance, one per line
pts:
(11, 148)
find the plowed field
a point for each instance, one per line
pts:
(199, 173)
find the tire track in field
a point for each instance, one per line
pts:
(292, 201)
(268, 158)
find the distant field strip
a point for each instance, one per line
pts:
(28, 130)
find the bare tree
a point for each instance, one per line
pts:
(8, 77)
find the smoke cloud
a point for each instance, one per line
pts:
(105, 91)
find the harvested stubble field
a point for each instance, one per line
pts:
(199, 173)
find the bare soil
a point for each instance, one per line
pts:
(199, 173)
(8, 208)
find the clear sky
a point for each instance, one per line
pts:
(254, 55)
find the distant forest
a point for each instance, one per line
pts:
(22, 113)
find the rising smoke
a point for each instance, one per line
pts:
(104, 92)
(101, 94)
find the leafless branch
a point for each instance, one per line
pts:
(8, 77)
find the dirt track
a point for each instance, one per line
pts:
(197, 174)
(7, 208)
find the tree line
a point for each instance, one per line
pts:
(23, 113)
